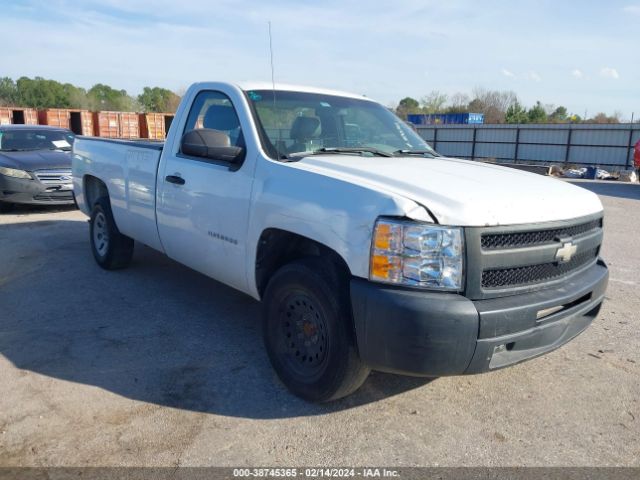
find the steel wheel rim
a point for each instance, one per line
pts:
(304, 335)
(100, 234)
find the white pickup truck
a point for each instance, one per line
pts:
(367, 248)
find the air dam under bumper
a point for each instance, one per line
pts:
(414, 332)
(32, 192)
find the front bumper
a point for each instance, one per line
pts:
(33, 192)
(422, 333)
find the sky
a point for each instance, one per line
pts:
(584, 55)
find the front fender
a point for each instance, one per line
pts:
(333, 212)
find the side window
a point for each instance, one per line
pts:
(214, 110)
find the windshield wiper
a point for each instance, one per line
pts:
(360, 150)
(417, 152)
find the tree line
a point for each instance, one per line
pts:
(39, 92)
(497, 107)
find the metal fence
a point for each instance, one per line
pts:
(608, 146)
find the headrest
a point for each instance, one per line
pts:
(221, 117)
(304, 128)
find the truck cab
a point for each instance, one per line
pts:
(368, 249)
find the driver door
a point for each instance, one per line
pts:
(203, 204)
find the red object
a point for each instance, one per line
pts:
(636, 154)
(155, 125)
(116, 124)
(78, 121)
(18, 115)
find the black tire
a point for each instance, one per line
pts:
(308, 331)
(6, 207)
(111, 249)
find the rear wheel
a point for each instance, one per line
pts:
(308, 332)
(111, 249)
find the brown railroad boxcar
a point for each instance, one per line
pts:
(116, 124)
(155, 125)
(6, 117)
(18, 116)
(79, 122)
(129, 125)
(106, 124)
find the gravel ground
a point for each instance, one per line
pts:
(160, 366)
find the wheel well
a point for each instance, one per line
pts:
(278, 247)
(94, 188)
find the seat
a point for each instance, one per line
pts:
(303, 130)
(221, 117)
(224, 119)
(329, 122)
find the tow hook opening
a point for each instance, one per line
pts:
(547, 312)
(504, 347)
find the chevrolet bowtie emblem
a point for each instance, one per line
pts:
(566, 252)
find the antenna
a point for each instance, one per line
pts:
(273, 78)
(273, 87)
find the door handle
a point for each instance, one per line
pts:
(174, 179)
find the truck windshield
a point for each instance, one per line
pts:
(23, 139)
(300, 122)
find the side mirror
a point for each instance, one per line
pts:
(211, 144)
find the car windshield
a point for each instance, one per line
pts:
(299, 122)
(25, 139)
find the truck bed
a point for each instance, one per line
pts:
(129, 169)
(142, 143)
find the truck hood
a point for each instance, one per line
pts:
(462, 192)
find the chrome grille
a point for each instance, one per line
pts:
(536, 237)
(61, 176)
(505, 260)
(530, 274)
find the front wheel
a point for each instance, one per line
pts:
(111, 249)
(308, 332)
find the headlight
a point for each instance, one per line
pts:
(417, 254)
(12, 172)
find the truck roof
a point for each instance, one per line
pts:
(297, 88)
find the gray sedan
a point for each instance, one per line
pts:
(35, 165)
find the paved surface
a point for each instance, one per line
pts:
(158, 365)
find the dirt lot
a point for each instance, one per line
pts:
(158, 365)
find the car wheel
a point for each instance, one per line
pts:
(5, 207)
(111, 249)
(308, 332)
